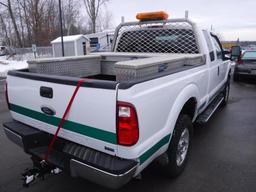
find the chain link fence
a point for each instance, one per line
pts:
(21, 54)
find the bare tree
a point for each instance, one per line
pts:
(92, 9)
(70, 14)
(104, 20)
(25, 17)
(9, 7)
(4, 28)
(23, 22)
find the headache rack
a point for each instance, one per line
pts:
(162, 36)
(142, 50)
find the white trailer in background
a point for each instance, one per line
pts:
(74, 45)
(101, 41)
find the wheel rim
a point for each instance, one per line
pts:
(182, 147)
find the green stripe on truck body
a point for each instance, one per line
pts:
(85, 130)
(145, 156)
(68, 125)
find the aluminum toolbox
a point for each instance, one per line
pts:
(109, 59)
(80, 66)
(148, 67)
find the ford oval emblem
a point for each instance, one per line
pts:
(48, 110)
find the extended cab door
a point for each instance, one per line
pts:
(213, 65)
(222, 64)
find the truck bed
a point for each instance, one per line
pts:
(118, 67)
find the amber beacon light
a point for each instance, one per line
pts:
(148, 16)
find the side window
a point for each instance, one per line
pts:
(94, 41)
(217, 47)
(209, 45)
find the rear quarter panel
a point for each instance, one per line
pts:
(158, 103)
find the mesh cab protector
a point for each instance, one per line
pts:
(171, 36)
(158, 41)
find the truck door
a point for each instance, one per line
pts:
(213, 65)
(222, 64)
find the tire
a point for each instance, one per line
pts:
(176, 162)
(226, 92)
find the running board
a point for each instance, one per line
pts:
(207, 114)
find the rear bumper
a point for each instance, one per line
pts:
(244, 74)
(240, 76)
(101, 177)
(249, 75)
(78, 161)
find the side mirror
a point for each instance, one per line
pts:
(235, 52)
(226, 55)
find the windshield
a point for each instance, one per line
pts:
(249, 55)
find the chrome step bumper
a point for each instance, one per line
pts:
(103, 169)
(110, 180)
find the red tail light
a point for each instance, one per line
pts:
(239, 61)
(127, 124)
(6, 96)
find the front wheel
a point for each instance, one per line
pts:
(179, 147)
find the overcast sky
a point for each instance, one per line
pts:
(231, 18)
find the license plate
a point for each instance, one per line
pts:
(253, 72)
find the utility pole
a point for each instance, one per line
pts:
(61, 29)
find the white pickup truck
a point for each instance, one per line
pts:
(135, 104)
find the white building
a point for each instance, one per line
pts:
(74, 45)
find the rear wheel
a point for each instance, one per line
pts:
(179, 147)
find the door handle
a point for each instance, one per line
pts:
(46, 92)
(218, 70)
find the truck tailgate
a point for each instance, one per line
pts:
(92, 118)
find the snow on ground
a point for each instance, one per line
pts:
(7, 65)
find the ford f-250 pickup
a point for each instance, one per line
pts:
(126, 108)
